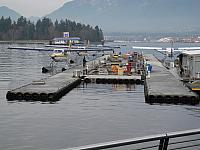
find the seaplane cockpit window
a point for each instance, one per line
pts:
(58, 51)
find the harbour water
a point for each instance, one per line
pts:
(91, 113)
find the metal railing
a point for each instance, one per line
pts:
(162, 142)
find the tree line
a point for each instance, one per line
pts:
(46, 29)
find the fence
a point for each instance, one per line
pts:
(189, 139)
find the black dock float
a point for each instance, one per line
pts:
(44, 90)
(113, 79)
(163, 87)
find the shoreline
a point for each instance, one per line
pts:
(25, 42)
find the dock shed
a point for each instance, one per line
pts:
(190, 64)
(65, 40)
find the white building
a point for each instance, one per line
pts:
(191, 64)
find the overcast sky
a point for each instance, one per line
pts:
(29, 8)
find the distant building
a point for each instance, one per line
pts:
(166, 39)
(65, 40)
(66, 34)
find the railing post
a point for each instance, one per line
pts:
(166, 143)
(163, 143)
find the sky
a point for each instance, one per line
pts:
(36, 8)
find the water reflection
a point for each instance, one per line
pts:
(90, 113)
(123, 87)
(115, 87)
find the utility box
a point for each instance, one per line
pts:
(76, 73)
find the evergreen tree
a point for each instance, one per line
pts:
(45, 29)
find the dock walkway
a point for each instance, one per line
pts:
(164, 87)
(52, 88)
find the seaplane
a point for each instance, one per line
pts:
(66, 54)
(59, 55)
(169, 51)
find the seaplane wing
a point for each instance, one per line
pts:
(151, 48)
(74, 47)
(167, 49)
(189, 48)
(66, 49)
(87, 49)
(31, 48)
(58, 46)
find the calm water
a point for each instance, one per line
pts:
(88, 114)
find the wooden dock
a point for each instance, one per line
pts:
(164, 87)
(52, 88)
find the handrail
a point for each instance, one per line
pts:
(183, 133)
(163, 138)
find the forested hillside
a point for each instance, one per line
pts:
(45, 29)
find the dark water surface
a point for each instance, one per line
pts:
(90, 113)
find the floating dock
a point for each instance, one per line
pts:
(163, 87)
(52, 88)
(160, 87)
(113, 79)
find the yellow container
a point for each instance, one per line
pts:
(120, 71)
(115, 68)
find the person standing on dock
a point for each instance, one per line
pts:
(84, 62)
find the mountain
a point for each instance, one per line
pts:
(7, 12)
(133, 15)
(33, 18)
